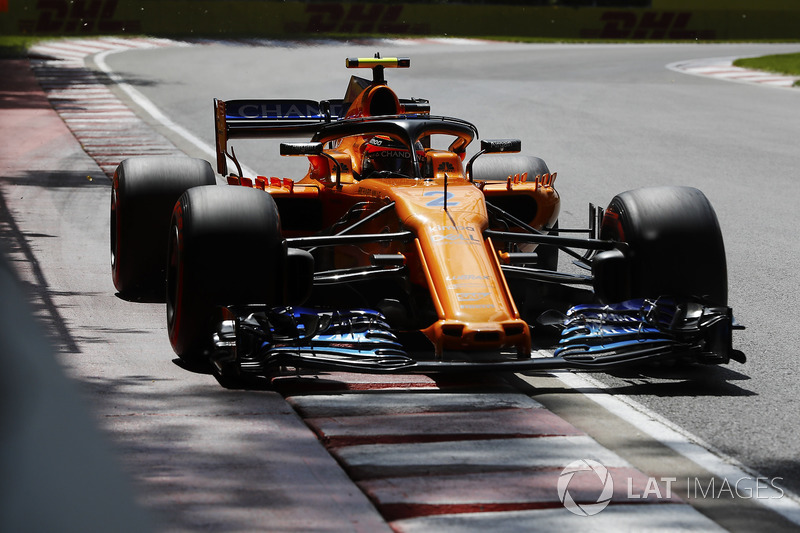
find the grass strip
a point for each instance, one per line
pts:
(16, 46)
(779, 63)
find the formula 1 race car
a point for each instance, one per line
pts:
(397, 254)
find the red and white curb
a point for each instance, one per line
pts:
(723, 69)
(106, 128)
(473, 457)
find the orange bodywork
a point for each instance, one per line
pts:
(447, 214)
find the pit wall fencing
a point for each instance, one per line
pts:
(705, 20)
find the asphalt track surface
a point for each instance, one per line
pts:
(607, 118)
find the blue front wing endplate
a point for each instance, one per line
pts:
(642, 326)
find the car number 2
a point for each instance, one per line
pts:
(440, 201)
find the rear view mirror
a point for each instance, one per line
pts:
(495, 146)
(300, 149)
(312, 148)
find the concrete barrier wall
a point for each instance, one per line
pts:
(665, 19)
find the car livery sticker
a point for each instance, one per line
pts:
(278, 110)
(440, 201)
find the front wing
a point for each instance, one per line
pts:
(260, 340)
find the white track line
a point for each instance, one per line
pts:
(146, 105)
(140, 100)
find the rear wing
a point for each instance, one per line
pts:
(264, 119)
(269, 119)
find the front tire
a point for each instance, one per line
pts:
(225, 248)
(676, 246)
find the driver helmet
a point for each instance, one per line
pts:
(382, 153)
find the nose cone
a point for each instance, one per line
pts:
(479, 336)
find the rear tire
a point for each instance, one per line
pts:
(498, 167)
(225, 248)
(144, 192)
(676, 246)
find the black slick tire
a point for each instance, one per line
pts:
(143, 194)
(498, 167)
(225, 248)
(676, 245)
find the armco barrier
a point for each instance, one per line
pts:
(664, 19)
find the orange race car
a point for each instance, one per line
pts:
(397, 254)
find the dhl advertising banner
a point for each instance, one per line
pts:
(660, 20)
